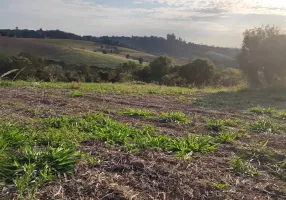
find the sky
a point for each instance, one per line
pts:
(212, 22)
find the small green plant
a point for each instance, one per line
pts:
(263, 125)
(76, 93)
(281, 115)
(226, 137)
(259, 110)
(240, 166)
(215, 125)
(218, 186)
(137, 112)
(176, 117)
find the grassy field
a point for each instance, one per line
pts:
(128, 141)
(70, 51)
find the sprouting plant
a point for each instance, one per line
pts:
(176, 117)
(219, 186)
(215, 125)
(260, 110)
(226, 137)
(238, 165)
(263, 125)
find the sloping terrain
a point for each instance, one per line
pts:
(70, 51)
(230, 142)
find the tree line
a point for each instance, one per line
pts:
(200, 72)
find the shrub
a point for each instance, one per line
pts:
(262, 57)
(160, 67)
(199, 72)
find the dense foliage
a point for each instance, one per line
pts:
(263, 57)
(201, 72)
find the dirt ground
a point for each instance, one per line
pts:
(150, 174)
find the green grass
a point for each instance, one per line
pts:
(239, 166)
(76, 93)
(28, 164)
(260, 110)
(125, 88)
(218, 125)
(264, 125)
(226, 137)
(218, 186)
(272, 112)
(137, 112)
(114, 133)
(174, 117)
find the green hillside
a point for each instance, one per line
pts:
(70, 51)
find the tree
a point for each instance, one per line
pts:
(160, 67)
(199, 72)
(141, 60)
(171, 37)
(262, 57)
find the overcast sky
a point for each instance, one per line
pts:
(213, 22)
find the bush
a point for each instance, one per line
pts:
(225, 76)
(200, 72)
(262, 57)
(160, 67)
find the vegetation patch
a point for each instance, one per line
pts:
(27, 164)
(137, 112)
(218, 125)
(227, 137)
(240, 166)
(272, 112)
(174, 117)
(264, 125)
(76, 93)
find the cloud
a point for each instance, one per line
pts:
(218, 22)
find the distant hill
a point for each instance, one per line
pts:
(70, 51)
(172, 46)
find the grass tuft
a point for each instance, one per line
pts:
(264, 125)
(174, 117)
(240, 166)
(137, 112)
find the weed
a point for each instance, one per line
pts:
(215, 125)
(27, 163)
(259, 110)
(218, 186)
(76, 93)
(281, 115)
(240, 166)
(137, 112)
(264, 125)
(226, 137)
(100, 127)
(176, 117)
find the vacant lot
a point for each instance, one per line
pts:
(123, 141)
